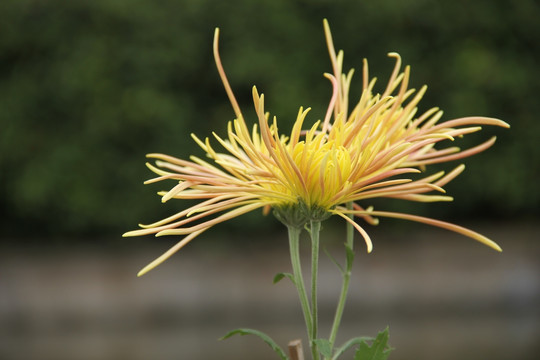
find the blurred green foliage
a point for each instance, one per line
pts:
(87, 88)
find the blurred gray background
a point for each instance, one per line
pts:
(87, 88)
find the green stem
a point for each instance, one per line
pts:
(350, 228)
(315, 230)
(294, 245)
(346, 280)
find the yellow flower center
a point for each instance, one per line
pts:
(318, 172)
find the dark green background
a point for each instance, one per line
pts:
(87, 88)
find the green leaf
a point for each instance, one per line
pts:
(280, 276)
(349, 344)
(379, 349)
(262, 336)
(334, 260)
(324, 347)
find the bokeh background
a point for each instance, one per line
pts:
(87, 88)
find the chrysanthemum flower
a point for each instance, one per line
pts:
(349, 157)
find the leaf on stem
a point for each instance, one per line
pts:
(324, 346)
(379, 349)
(280, 276)
(349, 344)
(262, 336)
(334, 261)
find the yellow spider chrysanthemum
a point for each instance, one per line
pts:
(312, 174)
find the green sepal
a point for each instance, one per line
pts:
(299, 214)
(280, 276)
(262, 336)
(324, 347)
(379, 349)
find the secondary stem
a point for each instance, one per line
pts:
(346, 280)
(294, 245)
(315, 230)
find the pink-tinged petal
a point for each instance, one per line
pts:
(167, 254)
(223, 77)
(220, 207)
(442, 224)
(451, 175)
(460, 155)
(367, 218)
(422, 198)
(362, 232)
(175, 190)
(329, 111)
(208, 224)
